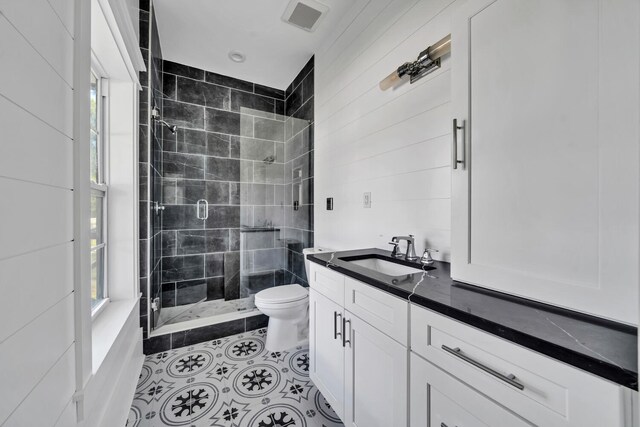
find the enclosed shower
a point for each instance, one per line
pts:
(231, 192)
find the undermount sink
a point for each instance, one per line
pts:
(385, 267)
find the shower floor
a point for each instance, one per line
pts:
(172, 315)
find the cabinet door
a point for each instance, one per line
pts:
(326, 351)
(375, 377)
(435, 398)
(545, 205)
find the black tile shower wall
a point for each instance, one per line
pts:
(150, 170)
(229, 150)
(298, 157)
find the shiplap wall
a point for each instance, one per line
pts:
(37, 366)
(394, 144)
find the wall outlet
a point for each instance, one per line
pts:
(329, 203)
(366, 200)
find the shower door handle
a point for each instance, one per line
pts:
(454, 147)
(202, 202)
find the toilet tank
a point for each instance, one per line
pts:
(309, 251)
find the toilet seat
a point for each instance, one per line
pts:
(282, 295)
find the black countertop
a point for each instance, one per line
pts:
(602, 347)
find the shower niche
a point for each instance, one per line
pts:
(233, 197)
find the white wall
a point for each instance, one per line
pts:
(394, 144)
(37, 351)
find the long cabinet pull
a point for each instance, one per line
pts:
(509, 379)
(336, 334)
(454, 148)
(344, 332)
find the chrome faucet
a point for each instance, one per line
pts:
(410, 255)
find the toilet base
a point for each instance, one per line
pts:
(285, 334)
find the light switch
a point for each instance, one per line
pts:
(366, 200)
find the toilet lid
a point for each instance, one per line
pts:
(281, 294)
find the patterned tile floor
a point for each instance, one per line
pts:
(229, 382)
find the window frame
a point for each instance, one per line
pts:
(101, 188)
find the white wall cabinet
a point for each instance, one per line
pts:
(545, 197)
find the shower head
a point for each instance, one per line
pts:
(172, 128)
(155, 115)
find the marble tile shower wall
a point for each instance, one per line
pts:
(298, 227)
(230, 151)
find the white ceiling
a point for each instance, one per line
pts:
(201, 33)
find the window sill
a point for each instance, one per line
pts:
(107, 327)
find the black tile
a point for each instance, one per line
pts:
(305, 70)
(144, 34)
(143, 222)
(168, 298)
(307, 87)
(218, 144)
(223, 217)
(168, 243)
(143, 306)
(215, 288)
(295, 264)
(268, 91)
(305, 112)
(190, 242)
(181, 217)
(227, 81)
(156, 344)
(143, 143)
(177, 165)
(189, 191)
(280, 107)
(214, 265)
(191, 141)
(222, 169)
(231, 275)
(240, 101)
(144, 5)
(222, 121)
(202, 93)
(190, 291)
(217, 193)
(144, 326)
(234, 239)
(213, 332)
(169, 86)
(143, 179)
(253, 283)
(293, 102)
(216, 241)
(143, 287)
(183, 70)
(256, 322)
(183, 115)
(234, 193)
(272, 130)
(182, 268)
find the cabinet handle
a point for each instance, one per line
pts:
(509, 379)
(443, 425)
(336, 334)
(454, 148)
(344, 332)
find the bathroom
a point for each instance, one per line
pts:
(370, 213)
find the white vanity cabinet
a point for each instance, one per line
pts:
(545, 196)
(360, 369)
(382, 362)
(536, 388)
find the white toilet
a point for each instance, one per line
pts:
(288, 309)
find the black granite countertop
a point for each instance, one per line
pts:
(602, 347)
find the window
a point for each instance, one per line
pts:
(97, 169)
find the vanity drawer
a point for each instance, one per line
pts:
(541, 390)
(381, 310)
(327, 282)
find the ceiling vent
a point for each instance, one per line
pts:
(305, 14)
